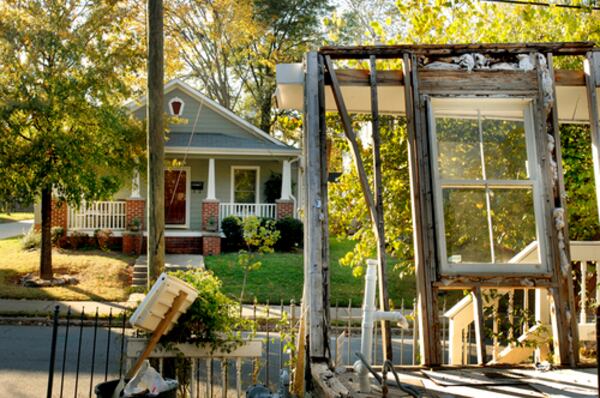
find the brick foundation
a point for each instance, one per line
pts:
(284, 208)
(178, 245)
(210, 211)
(211, 245)
(135, 208)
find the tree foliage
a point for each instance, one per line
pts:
(232, 47)
(63, 80)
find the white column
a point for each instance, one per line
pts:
(210, 193)
(135, 185)
(286, 181)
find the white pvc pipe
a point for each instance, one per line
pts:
(370, 316)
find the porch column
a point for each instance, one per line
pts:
(210, 192)
(285, 204)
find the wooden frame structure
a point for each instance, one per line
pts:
(537, 84)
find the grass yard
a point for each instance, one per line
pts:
(13, 217)
(281, 277)
(102, 275)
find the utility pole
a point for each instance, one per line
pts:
(155, 142)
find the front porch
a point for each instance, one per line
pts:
(198, 197)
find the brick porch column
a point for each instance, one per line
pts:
(211, 244)
(59, 214)
(135, 208)
(210, 211)
(284, 208)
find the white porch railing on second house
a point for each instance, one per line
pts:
(97, 215)
(243, 210)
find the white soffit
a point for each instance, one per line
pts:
(572, 100)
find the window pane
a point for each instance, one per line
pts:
(513, 222)
(504, 149)
(459, 154)
(465, 220)
(244, 190)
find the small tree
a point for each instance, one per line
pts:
(63, 80)
(259, 239)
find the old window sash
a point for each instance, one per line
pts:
(238, 192)
(481, 113)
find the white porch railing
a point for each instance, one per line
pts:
(97, 215)
(243, 210)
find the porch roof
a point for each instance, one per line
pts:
(213, 143)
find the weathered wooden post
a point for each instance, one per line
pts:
(155, 142)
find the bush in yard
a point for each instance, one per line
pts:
(31, 240)
(103, 237)
(291, 233)
(213, 318)
(57, 233)
(234, 233)
(77, 239)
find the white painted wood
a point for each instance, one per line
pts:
(243, 210)
(97, 215)
(135, 185)
(286, 180)
(583, 292)
(210, 191)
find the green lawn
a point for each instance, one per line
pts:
(13, 217)
(281, 277)
(102, 275)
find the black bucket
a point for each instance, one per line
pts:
(106, 390)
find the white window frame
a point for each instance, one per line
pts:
(188, 196)
(520, 109)
(171, 106)
(232, 188)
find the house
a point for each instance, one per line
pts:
(216, 164)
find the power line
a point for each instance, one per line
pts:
(543, 4)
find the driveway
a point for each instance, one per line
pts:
(8, 230)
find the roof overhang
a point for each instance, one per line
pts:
(231, 151)
(570, 91)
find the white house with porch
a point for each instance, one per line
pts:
(217, 164)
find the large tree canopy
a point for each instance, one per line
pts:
(64, 67)
(465, 21)
(232, 47)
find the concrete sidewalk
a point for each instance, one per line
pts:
(8, 230)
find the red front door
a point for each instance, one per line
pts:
(175, 197)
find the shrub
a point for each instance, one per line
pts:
(234, 233)
(213, 318)
(31, 240)
(77, 239)
(57, 233)
(291, 234)
(103, 237)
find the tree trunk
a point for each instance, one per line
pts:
(46, 244)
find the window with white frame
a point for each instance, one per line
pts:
(485, 184)
(245, 184)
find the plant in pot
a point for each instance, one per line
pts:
(134, 225)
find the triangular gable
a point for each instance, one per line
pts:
(213, 106)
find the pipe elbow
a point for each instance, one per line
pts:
(391, 316)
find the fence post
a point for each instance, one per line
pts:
(52, 353)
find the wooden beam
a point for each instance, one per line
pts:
(556, 254)
(379, 226)
(155, 143)
(418, 163)
(592, 70)
(360, 77)
(477, 82)
(479, 324)
(498, 49)
(313, 249)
